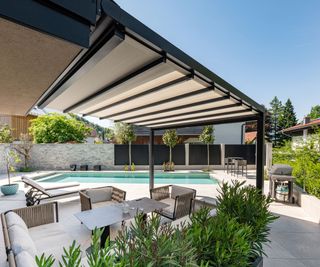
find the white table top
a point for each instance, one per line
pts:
(111, 214)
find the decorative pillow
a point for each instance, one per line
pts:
(21, 241)
(24, 259)
(13, 218)
(179, 190)
(100, 194)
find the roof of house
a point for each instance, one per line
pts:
(302, 126)
(250, 136)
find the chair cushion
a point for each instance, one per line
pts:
(21, 241)
(24, 259)
(50, 239)
(100, 194)
(281, 169)
(179, 190)
(13, 218)
(168, 211)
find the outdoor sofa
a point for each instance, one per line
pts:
(180, 200)
(32, 231)
(37, 192)
(97, 197)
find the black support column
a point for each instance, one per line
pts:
(260, 151)
(151, 159)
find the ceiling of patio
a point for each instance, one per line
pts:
(30, 62)
(135, 82)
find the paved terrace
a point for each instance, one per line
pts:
(295, 236)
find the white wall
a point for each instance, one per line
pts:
(228, 133)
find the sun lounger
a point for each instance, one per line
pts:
(37, 192)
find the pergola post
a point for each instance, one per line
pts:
(151, 159)
(260, 151)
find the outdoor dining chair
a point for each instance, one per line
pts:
(178, 198)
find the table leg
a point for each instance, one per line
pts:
(290, 185)
(104, 236)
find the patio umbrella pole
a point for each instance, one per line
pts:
(151, 159)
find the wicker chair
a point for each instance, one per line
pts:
(87, 203)
(179, 199)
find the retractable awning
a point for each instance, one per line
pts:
(132, 74)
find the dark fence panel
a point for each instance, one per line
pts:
(198, 155)
(140, 154)
(247, 152)
(121, 156)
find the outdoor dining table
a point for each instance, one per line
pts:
(105, 216)
(229, 160)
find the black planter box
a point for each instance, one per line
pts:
(83, 167)
(73, 167)
(97, 167)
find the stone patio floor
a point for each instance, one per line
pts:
(295, 236)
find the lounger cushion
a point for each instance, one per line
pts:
(21, 241)
(33, 184)
(50, 239)
(168, 211)
(24, 259)
(13, 218)
(179, 190)
(100, 194)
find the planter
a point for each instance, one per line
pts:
(258, 262)
(9, 189)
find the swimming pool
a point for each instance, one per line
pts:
(131, 177)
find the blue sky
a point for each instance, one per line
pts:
(264, 48)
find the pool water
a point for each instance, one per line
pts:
(131, 178)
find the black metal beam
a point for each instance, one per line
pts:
(260, 152)
(187, 113)
(142, 31)
(84, 62)
(151, 159)
(199, 103)
(200, 117)
(172, 99)
(57, 18)
(117, 83)
(145, 93)
(208, 122)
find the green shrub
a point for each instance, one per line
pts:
(219, 240)
(57, 128)
(150, 243)
(249, 207)
(5, 134)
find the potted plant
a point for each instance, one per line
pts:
(10, 159)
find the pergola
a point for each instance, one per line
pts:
(121, 70)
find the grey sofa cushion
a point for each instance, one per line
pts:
(100, 194)
(24, 259)
(179, 190)
(21, 241)
(169, 210)
(13, 218)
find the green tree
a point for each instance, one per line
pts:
(124, 134)
(5, 134)
(288, 118)
(207, 137)
(315, 112)
(24, 148)
(170, 139)
(275, 112)
(109, 133)
(58, 128)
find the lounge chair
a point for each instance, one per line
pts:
(90, 198)
(178, 198)
(37, 192)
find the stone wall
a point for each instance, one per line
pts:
(60, 156)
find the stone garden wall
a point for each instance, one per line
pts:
(60, 156)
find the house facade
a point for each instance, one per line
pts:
(18, 124)
(302, 132)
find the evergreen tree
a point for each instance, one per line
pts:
(275, 111)
(315, 112)
(287, 119)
